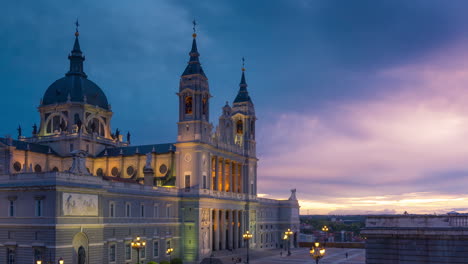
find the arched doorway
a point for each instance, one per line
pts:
(81, 256)
(80, 249)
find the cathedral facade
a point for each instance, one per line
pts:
(76, 191)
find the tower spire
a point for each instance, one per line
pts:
(243, 94)
(76, 56)
(194, 66)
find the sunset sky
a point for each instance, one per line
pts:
(362, 106)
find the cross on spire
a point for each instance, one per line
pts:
(77, 24)
(194, 26)
(243, 64)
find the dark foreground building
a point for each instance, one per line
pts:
(417, 239)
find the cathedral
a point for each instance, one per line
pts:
(75, 191)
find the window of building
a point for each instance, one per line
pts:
(111, 209)
(156, 249)
(204, 182)
(143, 253)
(239, 127)
(39, 207)
(187, 181)
(168, 211)
(188, 105)
(204, 105)
(96, 126)
(112, 252)
(128, 251)
(37, 168)
(115, 172)
(71, 147)
(156, 211)
(12, 208)
(56, 123)
(11, 256)
(127, 209)
(142, 210)
(100, 172)
(17, 166)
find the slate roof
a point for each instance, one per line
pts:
(243, 94)
(75, 86)
(22, 145)
(194, 66)
(143, 149)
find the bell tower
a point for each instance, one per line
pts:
(194, 100)
(243, 118)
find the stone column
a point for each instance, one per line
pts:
(235, 229)
(230, 229)
(233, 176)
(239, 177)
(222, 229)
(226, 175)
(223, 175)
(216, 181)
(216, 229)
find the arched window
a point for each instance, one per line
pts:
(115, 172)
(205, 105)
(37, 168)
(96, 126)
(56, 123)
(188, 105)
(17, 166)
(99, 172)
(239, 127)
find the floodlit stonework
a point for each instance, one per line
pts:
(76, 190)
(416, 239)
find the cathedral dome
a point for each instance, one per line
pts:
(75, 88)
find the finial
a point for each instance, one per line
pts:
(77, 24)
(194, 35)
(243, 64)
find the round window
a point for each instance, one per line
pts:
(37, 168)
(100, 172)
(130, 171)
(17, 166)
(115, 172)
(163, 169)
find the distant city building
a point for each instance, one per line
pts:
(77, 190)
(416, 239)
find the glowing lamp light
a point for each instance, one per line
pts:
(61, 261)
(38, 261)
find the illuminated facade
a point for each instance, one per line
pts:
(77, 191)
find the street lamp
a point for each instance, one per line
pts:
(287, 234)
(169, 252)
(61, 261)
(247, 236)
(138, 244)
(325, 230)
(317, 252)
(38, 261)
